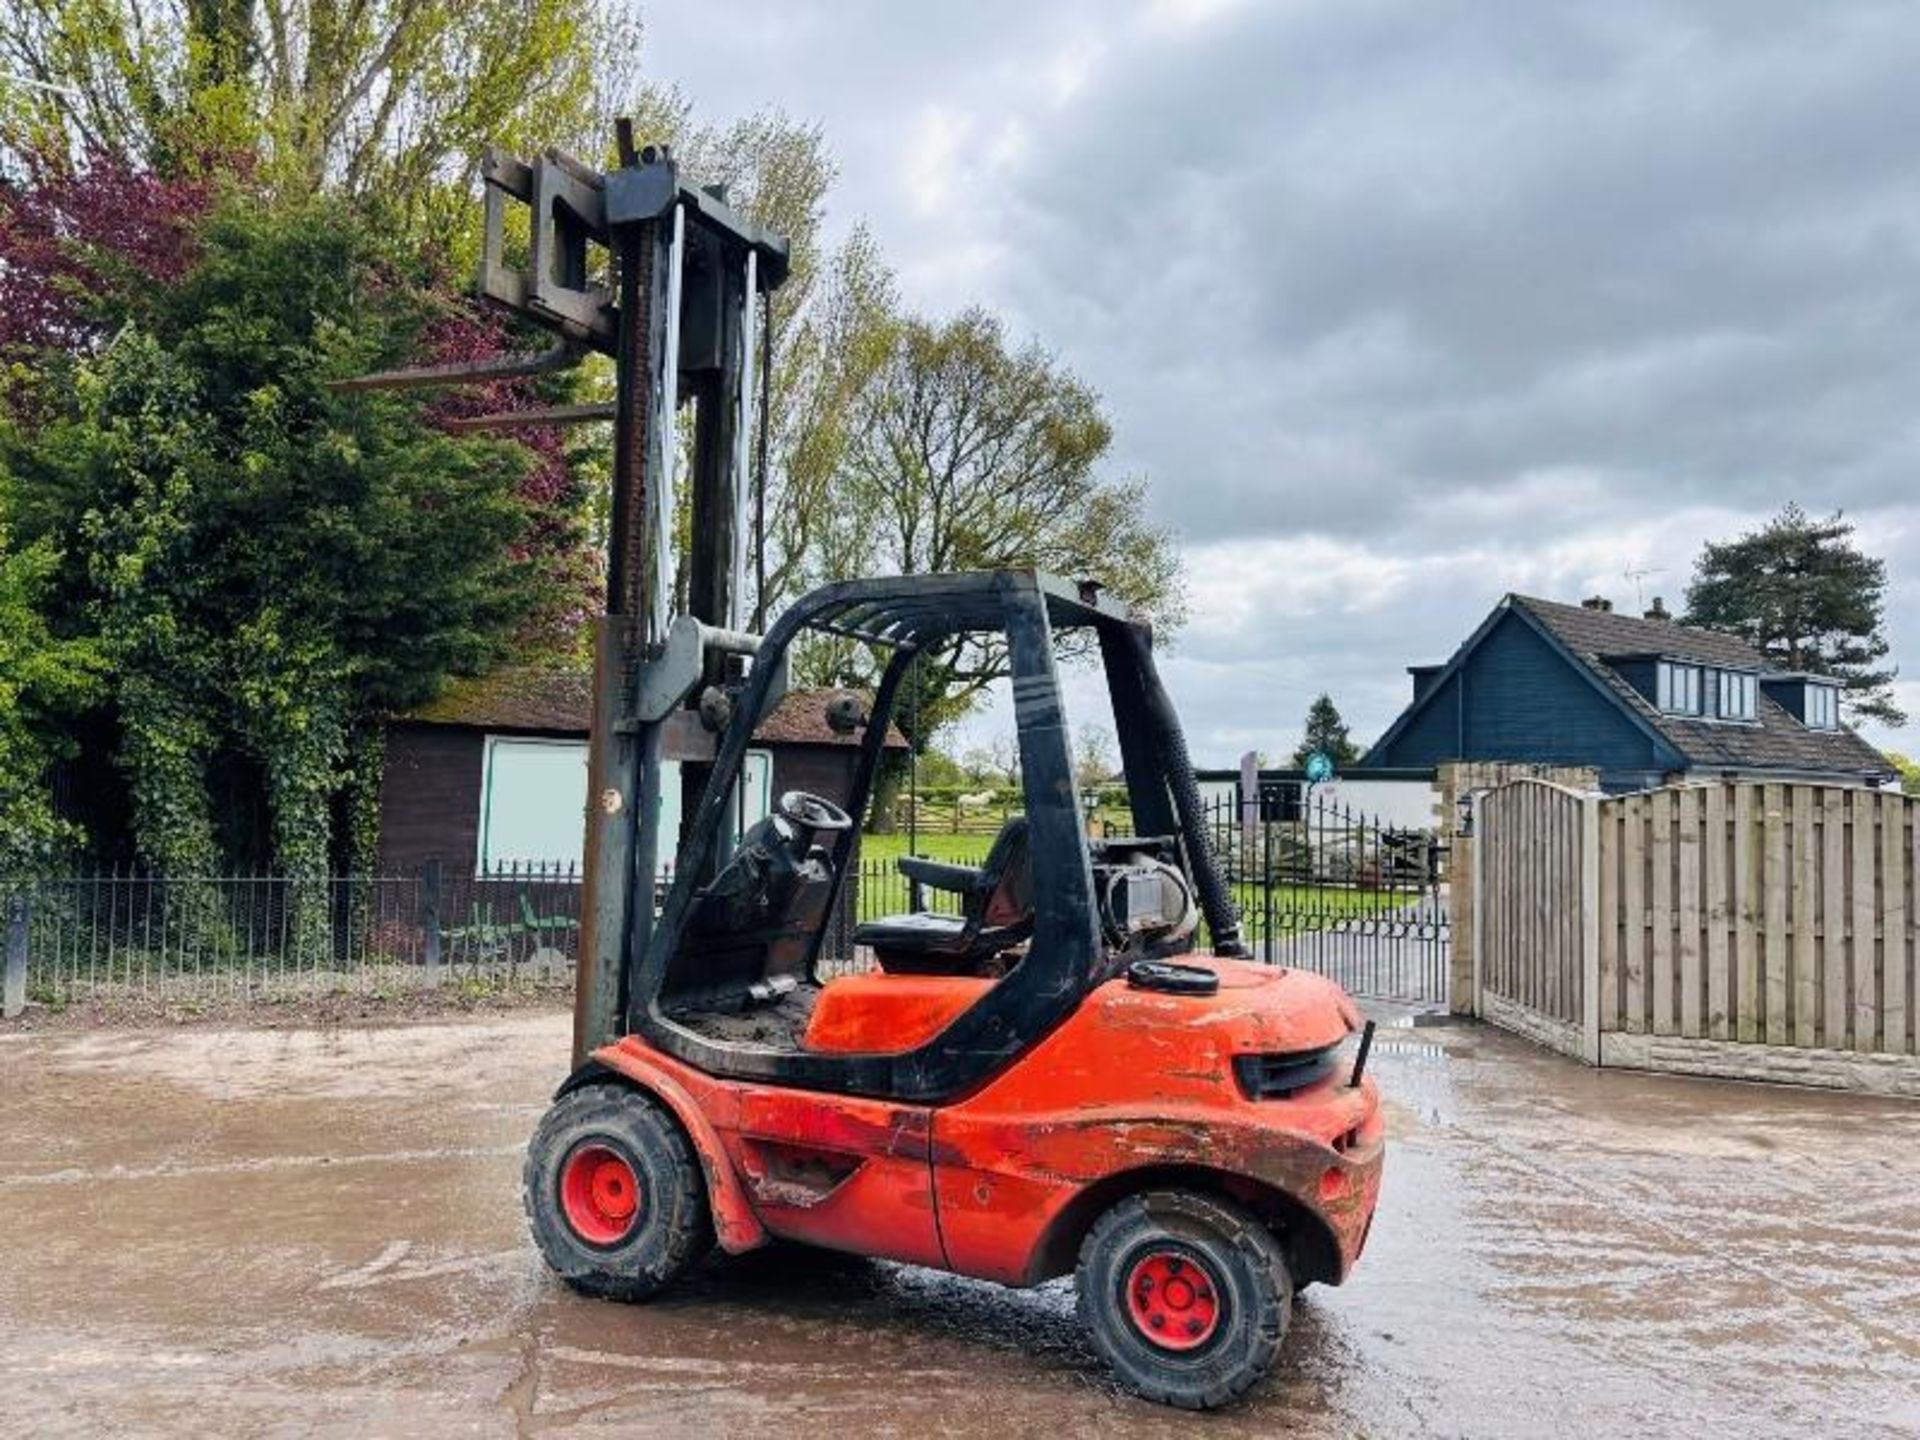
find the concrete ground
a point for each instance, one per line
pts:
(318, 1232)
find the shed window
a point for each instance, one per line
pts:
(1679, 688)
(533, 802)
(1823, 707)
(1736, 695)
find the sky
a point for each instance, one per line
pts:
(1401, 305)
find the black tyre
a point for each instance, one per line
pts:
(1186, 1295)
(614, 1194)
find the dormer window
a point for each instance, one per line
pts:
(1823, 707)
(1736, 695)
(1679, 688)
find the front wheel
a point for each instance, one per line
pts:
(614, 1194)
(1186, 1295)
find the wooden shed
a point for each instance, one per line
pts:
(492, 774)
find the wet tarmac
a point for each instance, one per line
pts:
(258, 1232)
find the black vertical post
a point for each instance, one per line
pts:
(1266, 882)
(430, 917)
(916, 895)
(15, 988)
(623, 764)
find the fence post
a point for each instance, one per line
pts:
(1590, 925)
(1249, 800)
(430, 917)
(1477, 833)
(15, 999)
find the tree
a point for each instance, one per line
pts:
(977, 764)
(384, 100)
(1800, 591)
(1909, 771)
(44, 680)
(263, 562)
(830, 339)
(962, 453)
(1005, 752)
(1326, 734)
(83, 249)
(828, 322)
(1093, 762)
(940, 771)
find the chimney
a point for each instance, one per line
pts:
(1597, 602)
(1658, 610)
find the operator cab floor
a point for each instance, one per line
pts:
(776, 1024)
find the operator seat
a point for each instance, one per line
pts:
(996, 912)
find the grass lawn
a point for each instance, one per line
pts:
(939, 843)
(1294, 907)
(1332, 902)
(961, 849)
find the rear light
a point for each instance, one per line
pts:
(1275, 1077)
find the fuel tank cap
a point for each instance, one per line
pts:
(1171, 977)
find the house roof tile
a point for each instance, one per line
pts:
(1776, 742)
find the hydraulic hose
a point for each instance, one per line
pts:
(1216, 900)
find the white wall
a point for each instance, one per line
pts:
(1397, 804)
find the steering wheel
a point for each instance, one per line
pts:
(812, 812)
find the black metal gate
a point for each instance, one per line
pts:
(1322, 887)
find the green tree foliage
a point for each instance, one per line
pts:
(1326, 734)
(44, 677)
(388, 101)
(829, 326)
(940, 771)
(1800, 591)
(829, 349)
(1093, 756)
(1908, 770)
(962, 452)
(262, 560)
(271, 567)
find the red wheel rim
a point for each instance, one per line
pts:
(1173, 1299)
(599, 1194)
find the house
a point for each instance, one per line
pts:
(493, 773)
(1644, 700)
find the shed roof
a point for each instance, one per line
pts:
(558, 699)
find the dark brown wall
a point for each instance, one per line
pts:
(823, 769)
(430, 798)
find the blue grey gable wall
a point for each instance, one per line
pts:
(1518, 696)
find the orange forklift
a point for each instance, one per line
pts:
(1046, 1075)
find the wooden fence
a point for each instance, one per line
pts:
(1766, 914)
(1534, 895)
(1760, 930)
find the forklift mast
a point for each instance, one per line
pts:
(664, 276)
(690, 274)
(667, 279)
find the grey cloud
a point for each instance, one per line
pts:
(1483, 296)
(1442, 250)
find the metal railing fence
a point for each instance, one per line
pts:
(126, 935)
(1320, 888)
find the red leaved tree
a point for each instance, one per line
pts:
(80, 246)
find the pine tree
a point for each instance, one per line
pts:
(1802, 593)
(1326, 734)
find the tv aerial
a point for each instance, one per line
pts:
(1635, 575)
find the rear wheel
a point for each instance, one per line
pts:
(1187, 1296)
(614, 1193)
